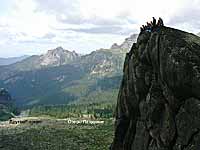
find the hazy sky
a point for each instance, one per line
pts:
(34, 26)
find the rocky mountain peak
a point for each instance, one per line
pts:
(59, 48)
(59, 51)
(129, 42)
(126, 45)
(115, 46)
(57, 57)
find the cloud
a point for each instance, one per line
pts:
(122, 12)
(100, 30)
(79, 12)
(31, 26)
(188, 17)
(49, 36)
(117, 30)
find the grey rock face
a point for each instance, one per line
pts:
(158, 102)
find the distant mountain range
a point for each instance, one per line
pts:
(53, 58)
(61, 76)
(12, 60)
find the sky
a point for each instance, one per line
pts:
(29, 27)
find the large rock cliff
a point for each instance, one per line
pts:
(158, 104)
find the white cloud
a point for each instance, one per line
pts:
(32, 26)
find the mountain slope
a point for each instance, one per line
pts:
(108, 62)
(103, 63)
(11, 60)
(31, 86)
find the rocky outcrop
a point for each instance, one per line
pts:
(5, 97)
(158, 105)
(6, 105)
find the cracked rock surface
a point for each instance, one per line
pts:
(158, 105)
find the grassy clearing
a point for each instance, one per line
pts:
(57, 135)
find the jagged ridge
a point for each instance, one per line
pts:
(55, 78)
